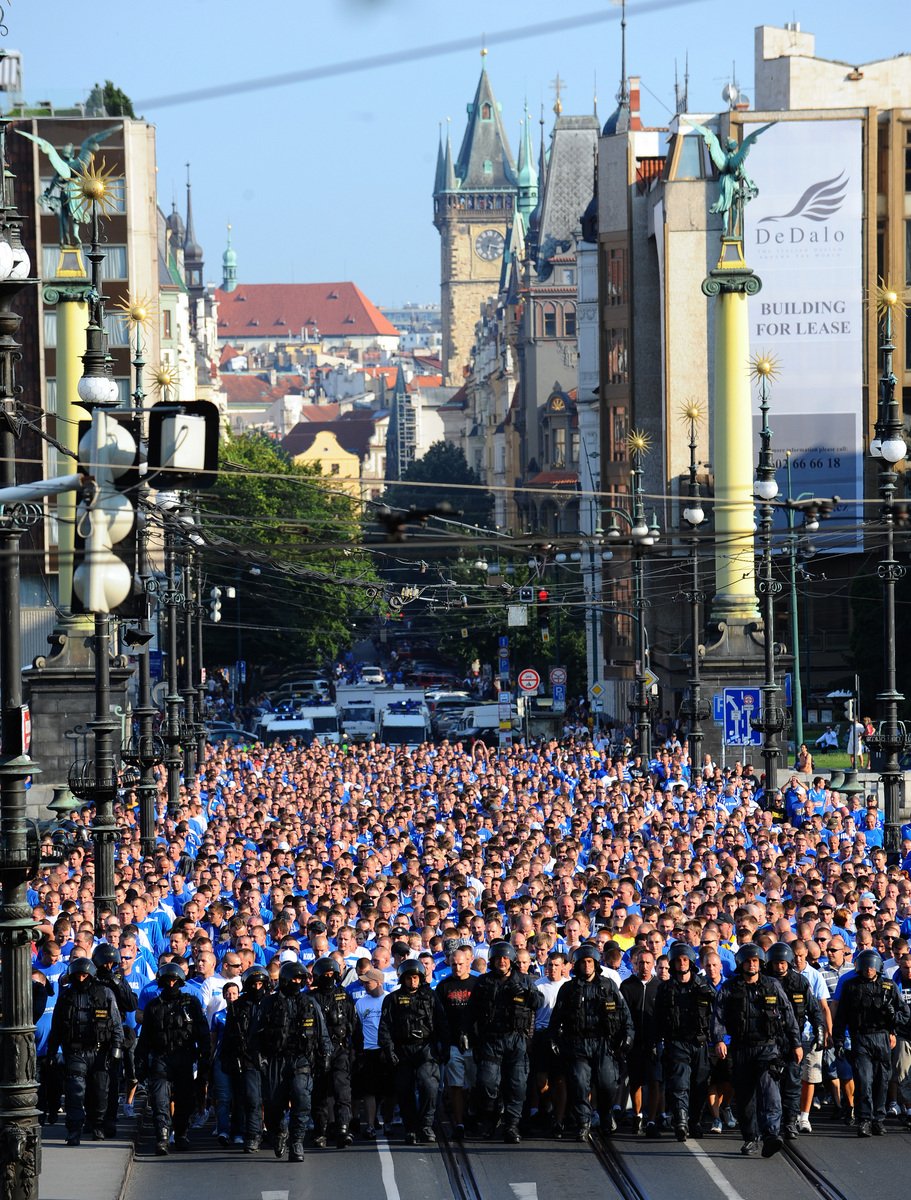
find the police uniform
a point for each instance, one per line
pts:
(293, 1041)
(868, 1009)
(593, 1029)
(806, 1008)
(109, 975)
(682, 1021)
(409, 1038)
(87, 1027)
(240, 1052)
(502, 1020)
(760, 1022)
(334, 1081)
(173, 1037)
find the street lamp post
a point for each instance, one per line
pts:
(173, 599)
(695, 709)
(20, 1134)
(889, 448)
(189, 641)
(772, 719)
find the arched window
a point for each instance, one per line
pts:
(486, 112)
(549, 320)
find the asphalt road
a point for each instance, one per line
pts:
(711, 1169)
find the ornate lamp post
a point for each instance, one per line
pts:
(694, 709)
(20, 1135)
(772, 720)
(889, 447)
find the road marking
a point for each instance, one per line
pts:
(387, 1169)
(714, 1173)
(274, 1195)
(525, 1191)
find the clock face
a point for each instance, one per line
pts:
(489, 245)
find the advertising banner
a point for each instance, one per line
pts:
(804, 239)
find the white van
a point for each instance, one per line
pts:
(404, 723)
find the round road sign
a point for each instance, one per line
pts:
(529, 680)
(558, 675)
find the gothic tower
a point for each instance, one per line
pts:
(473, 202)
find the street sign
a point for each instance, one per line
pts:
(741, 705)
(503, 641)
(503, 666)
(559, 696)
(718, 708)
(558, 676)
(651, 679)
(596, 691)
(788, 699)
(529, 680)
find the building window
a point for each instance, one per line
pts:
(166, 325)
(488, 167)
(617, 278)
(113, 265)
(486, 112)
(617, 366)
(560, 446)
(569, 321)
(908, 160)
(334, 468)
(569, 276)
(550, 321)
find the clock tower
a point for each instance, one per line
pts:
(474, 198)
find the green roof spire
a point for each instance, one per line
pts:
(229, 266)
(527, 176)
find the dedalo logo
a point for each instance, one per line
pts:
(820, 202)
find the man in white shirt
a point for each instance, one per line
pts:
(370, 1073)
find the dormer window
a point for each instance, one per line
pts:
(486, 112)
(488, 167)
(332, 296)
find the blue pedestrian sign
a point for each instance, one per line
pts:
(741, 706)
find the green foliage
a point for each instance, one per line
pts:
(314, 582)
(116, 102)
(452, 481)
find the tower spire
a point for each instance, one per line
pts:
(527, 176)
(229, 266)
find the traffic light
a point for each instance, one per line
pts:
(543, 596)
(104, 578)
(526, 595)
(215, 605)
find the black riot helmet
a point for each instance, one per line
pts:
(106, 957)
(412, 966)
(502, 950)
(779, 952)
(682, 950)
(326, 972)
(749, 950)
(170, 975)
(291, 976)
(867, 959)
(252, 976)
(80, 966)
(586, 950)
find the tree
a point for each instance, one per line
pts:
(116, 102)
(443, 476)
(290, 547)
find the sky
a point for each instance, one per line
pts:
(331, 178)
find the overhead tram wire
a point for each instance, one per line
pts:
(396, 58)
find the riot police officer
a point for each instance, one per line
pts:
(334, 1082)
(682, 1022)
(780, 965)
(106, 960)
(593, 1029)
(293, 1041)
(502, 1020)
(173, 1037)
(868, 1009)
(240, 1051)
(409, 1038)
(753, 1010)
(86, 1026)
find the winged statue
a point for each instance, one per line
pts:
(736, 187)
(62, 195)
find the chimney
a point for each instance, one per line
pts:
(635, 121)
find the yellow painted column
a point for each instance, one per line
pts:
(735, 577)
(72, 318)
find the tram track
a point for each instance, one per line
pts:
(458, 1166)
(618, 1172)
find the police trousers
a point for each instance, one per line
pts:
(333, 1084)
(171, 1078)
(686, 1078)
(502, 1077)
(592, 1072)
(757, 1096)
(252, 1085)
(417, 1085)
(86, 1088)
(872, 1064)
(288, 1083)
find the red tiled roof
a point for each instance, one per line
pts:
(319, 413)
(227, 353)
(251, 389)
(428, 381)
(353, 436)
(547, 478)
(277, 310)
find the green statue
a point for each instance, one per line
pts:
(736, 187)
(62, 195)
